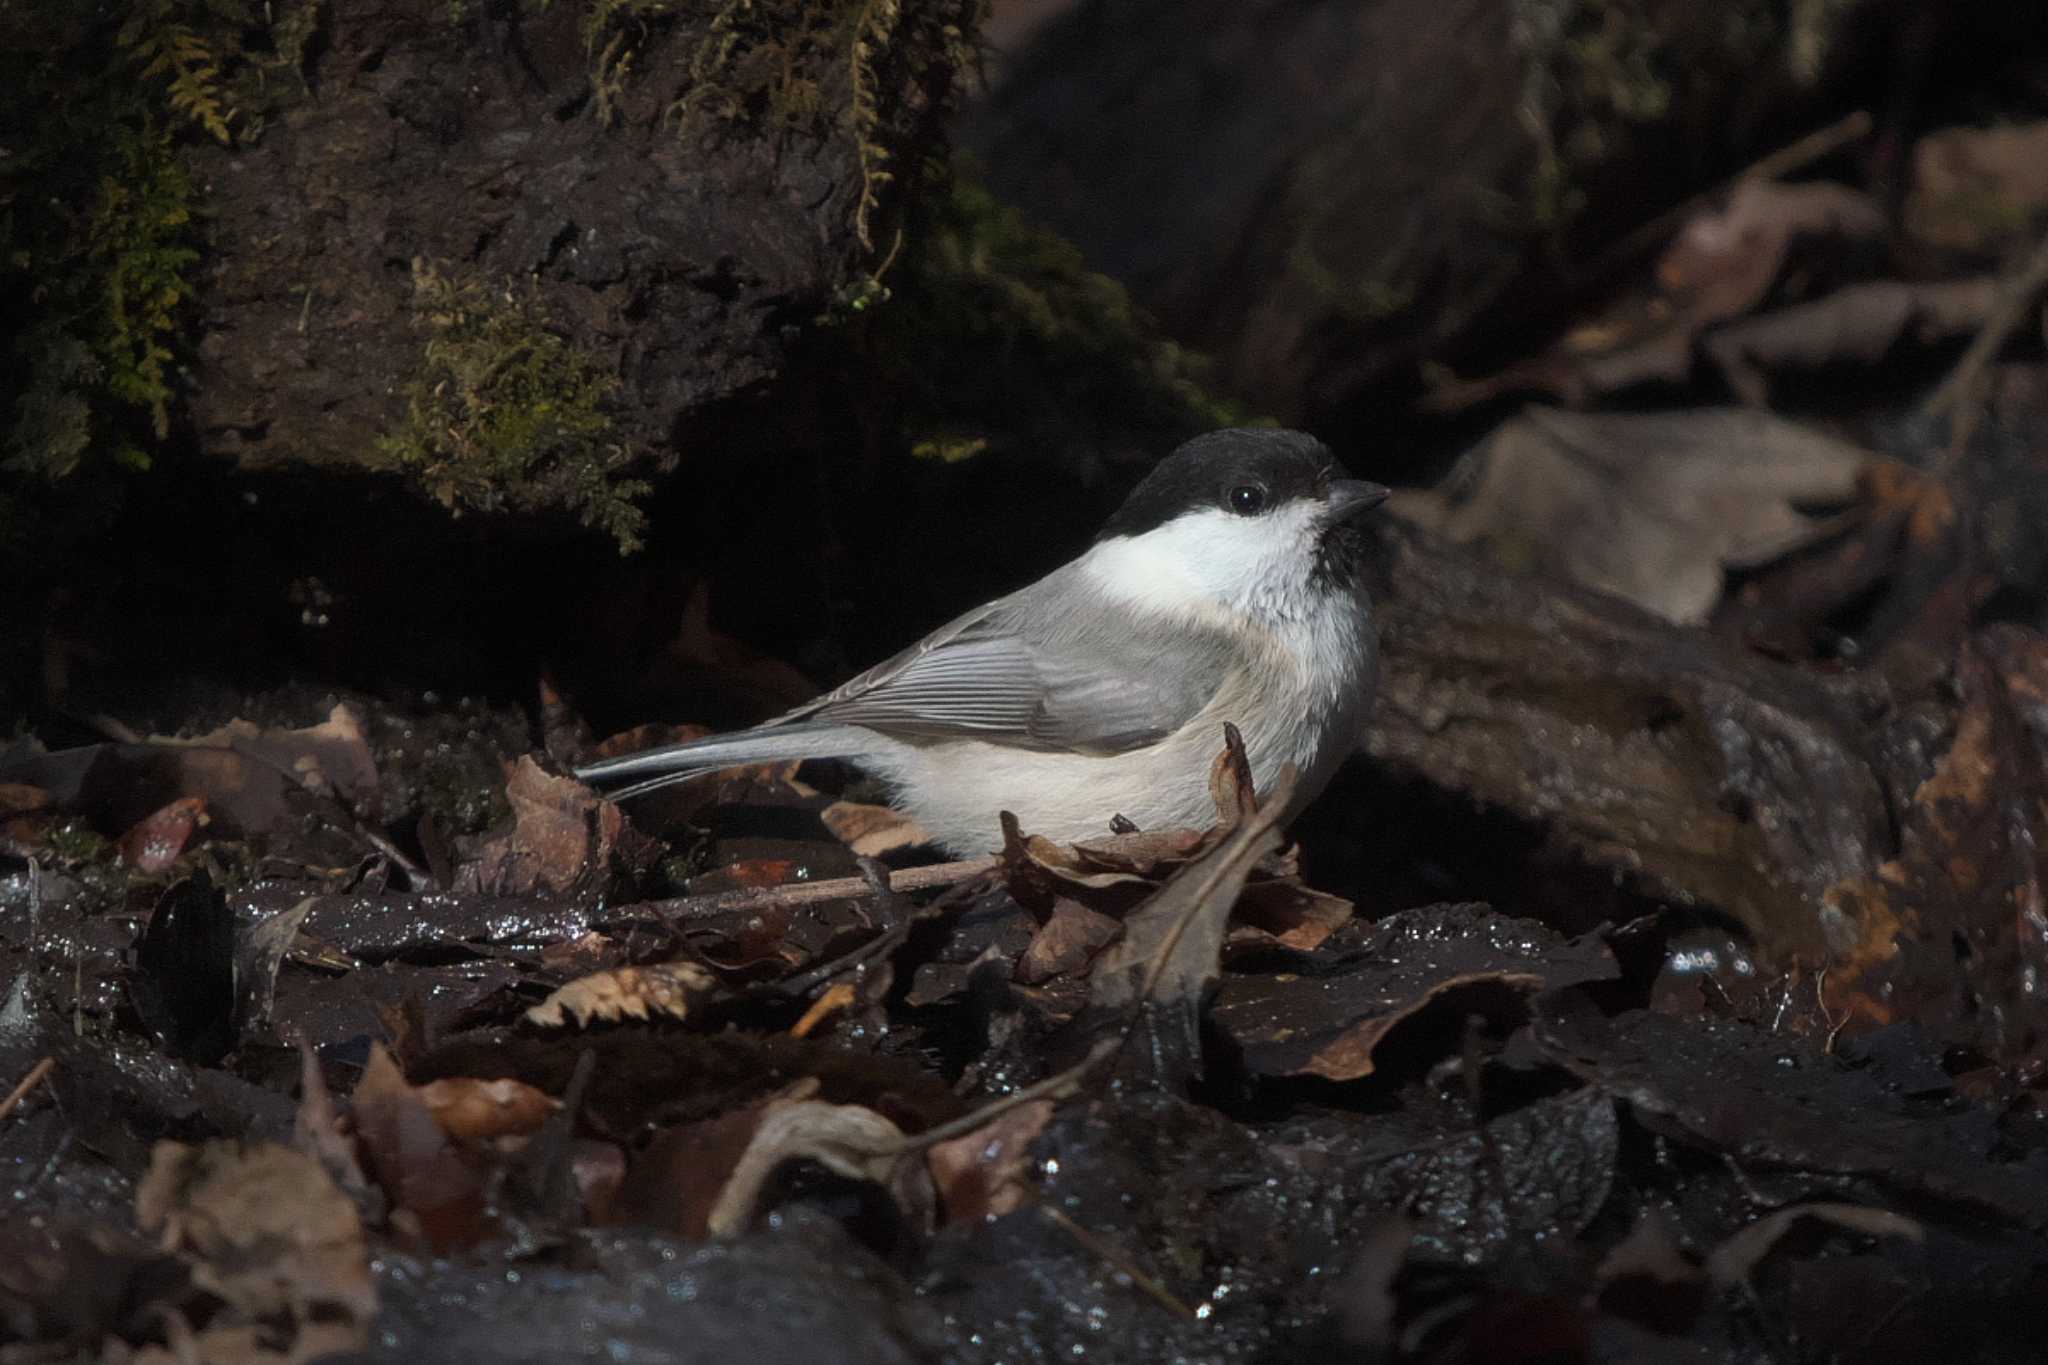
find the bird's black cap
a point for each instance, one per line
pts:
(1206, 471)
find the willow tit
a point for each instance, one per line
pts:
(1225, 588)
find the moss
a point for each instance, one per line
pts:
(507, 413)
(811, 68)
(994, 331)
(100, 219)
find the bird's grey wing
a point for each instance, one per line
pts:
(1013, 676)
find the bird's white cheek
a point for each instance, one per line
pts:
(1207, 558)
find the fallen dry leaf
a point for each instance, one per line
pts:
(1067, 942)
(432, 1183)
(1724, 261)
(1973, 189)
(1950, 931)
(1171, 949)
(472, 1110)
(983, 1173)
(564, 840)
(667, 989)
(330, 759)
(1654, 508)
(873, 831)
(707, 1179)
(266, 1230)
(1455, 959)
(1860, 324)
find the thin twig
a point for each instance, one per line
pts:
(1961, 395)
(1815, 146)
(1110, 1256)
(29, 1082)
(1057, 1086)
(806, 893)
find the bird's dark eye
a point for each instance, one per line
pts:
(1247, 499)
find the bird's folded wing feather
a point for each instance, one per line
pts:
(992, 675)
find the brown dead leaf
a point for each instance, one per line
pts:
(1449, 960)
(472, 1110)
(434, 1186)
(1231, 788)
(1974, 189)
(983, 1174)
(1067, 942)
(330, 759)
(1651, 507)
(1724, 261)
(707, 1179)
(564, 840)
(873, 831)
(1282, 910)
(1171, 949)
(665, 989)
(1719, 267)
(266, 1230)
(1860, 325)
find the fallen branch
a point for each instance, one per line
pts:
(807, 893)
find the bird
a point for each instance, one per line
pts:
(1227, 587)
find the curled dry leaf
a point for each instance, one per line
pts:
(982, 1174)
(266, 1230)
(707, 1179)
(666, 989)
(873, 831)
(1172, 945)
(332, 758)
(432, 1182)
(473, 1110)
(1068, 940)
(564, 839)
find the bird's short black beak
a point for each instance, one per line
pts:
(1351, 497)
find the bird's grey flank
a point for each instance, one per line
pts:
(1226, 588)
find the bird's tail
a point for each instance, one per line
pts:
(654, 768)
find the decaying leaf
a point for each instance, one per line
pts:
(473, 1110)
(873, 831)
(667, 989)
(1860, 324)
(1171, 950)
(266, 1230)
(432, 1183)
(1975, 188)
(1972, 871)
(564, 839)
(1653, 507)
(707, 1179)
(329, 759)
(982, 1174)
(1068, 941)
(1459, 959)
